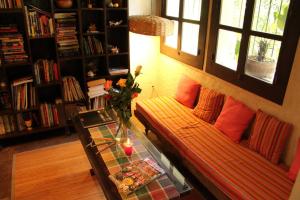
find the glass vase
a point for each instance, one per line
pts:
(121, 135)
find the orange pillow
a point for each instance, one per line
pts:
(187, 91)
(234, 119)
(295, 167)
(209, 105)
(269, 136)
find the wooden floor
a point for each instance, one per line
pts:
(55, 172)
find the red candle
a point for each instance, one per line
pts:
(128, 147)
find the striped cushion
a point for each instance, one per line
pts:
(269, 136)
(236, 170)
(209, 105)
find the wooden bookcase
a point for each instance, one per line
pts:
(78, 66)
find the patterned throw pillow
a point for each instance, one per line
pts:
(269, 136)
(209, 105)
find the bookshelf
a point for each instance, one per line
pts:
(60, 45)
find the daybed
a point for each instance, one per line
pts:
(227, 169)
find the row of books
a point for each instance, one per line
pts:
(92, 45)
(23, 93)
(98, 103)
(7, 124)
(10, 4)
(66, 34)
(49, 115)
(45, 71)
(39, 23)
(11, 44)
(72, 89)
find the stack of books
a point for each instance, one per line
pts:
(7, 124)
(39, 23)
(118, 71)
(45, 71)
(49, 115)
(10, 4)
(23, 92)
(72, 89)
(11, 44)
(92, 45)
(96, 94)
(66, 34)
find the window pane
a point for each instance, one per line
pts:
(232, 13)
(171, 40)
(172, 8)
(270, 16)
(228, 48)
(190, 35)
(262, 58)
(192, 9)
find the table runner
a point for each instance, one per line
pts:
(161, 188)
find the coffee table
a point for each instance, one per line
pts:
(172, 185)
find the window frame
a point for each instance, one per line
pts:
(289, 40)
(195, 61)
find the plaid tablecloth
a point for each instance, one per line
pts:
(161, 188)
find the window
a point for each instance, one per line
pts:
(253, 43)
(188, 41)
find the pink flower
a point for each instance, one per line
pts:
(107, 85)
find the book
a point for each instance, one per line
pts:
(49, 115)
(135, 175)
(92, 45)
(72, 90)
(10, 4)
(45, 71)
(118, 71)
(94, 118)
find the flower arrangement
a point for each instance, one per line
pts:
(120, 97)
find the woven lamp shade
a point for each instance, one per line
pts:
(151, 25)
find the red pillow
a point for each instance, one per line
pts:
(234, 119)
(295, 167)
(187, 91)
(209, 105)
(269, 136)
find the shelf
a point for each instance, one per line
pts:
(6, 111)
(42, 37)
(117, 54)
(11, 10)
(114, 9)
(94, 56)
(119, 26)
(27, 110)
(69, 58)
(16, 64)
(87, 34)
(33, 131)
(50, 84)
(57, 10)
(74, 102)
(92, 9)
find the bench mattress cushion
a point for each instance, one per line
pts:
(236, 170)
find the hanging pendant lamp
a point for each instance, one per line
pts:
(151, 25)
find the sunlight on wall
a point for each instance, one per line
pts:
(144, 50)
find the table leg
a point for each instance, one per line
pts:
(92, 173)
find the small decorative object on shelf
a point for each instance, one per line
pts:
(92, 29)
(64, 3)
(120, 99)
(117, 3)
(128, 149)
(115, 23)
(89, 4)
(114, 50)
(28, 124)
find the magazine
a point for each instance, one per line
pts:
(135, 175)
(93, 118)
